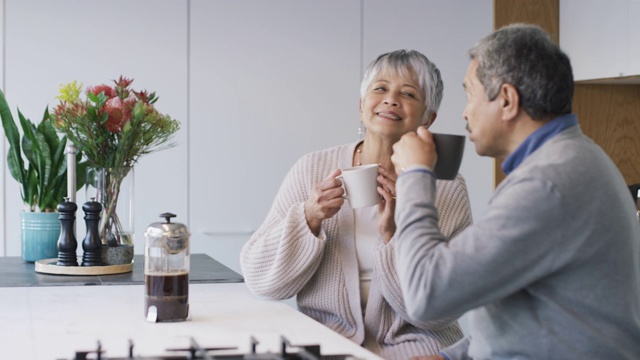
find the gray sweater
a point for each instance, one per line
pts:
(552, 271)
(284, 258)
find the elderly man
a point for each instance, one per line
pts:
(552, 270)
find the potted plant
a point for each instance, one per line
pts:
(38, 163)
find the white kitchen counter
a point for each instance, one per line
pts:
(55, 322)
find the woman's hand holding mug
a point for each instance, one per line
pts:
(324, 201)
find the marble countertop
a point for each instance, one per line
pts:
(56, 321)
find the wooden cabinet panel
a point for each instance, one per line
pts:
(610, 115)
(544, 13)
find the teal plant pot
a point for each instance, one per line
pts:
(39, 235)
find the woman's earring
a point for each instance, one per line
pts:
(360, 131)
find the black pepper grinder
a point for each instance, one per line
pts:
(91, 244)
(67, 243)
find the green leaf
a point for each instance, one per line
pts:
(14, 168)
(42, 151)
(29, 143)
(50, 193)
(51, 198)
(59, 166)
(14, 157)
(46, 157)
(50, 135)
(30, 187)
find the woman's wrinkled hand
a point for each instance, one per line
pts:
(324, 201)
(387, 207)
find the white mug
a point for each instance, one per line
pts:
(360, 185)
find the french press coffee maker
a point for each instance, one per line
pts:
(166, 271)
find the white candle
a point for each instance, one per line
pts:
(71, 172)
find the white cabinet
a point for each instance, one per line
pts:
(633, 19)
(602, 37)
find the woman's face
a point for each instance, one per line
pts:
(393, 105)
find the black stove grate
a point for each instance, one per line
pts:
(196, 352)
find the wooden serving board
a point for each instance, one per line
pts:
(49, 266)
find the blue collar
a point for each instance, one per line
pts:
(536, 139)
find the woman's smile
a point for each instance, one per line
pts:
(390, 115)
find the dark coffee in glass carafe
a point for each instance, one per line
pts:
(166, 271)
(169, 293)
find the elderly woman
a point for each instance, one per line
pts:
(340, 261)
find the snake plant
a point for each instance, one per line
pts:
(38, 161)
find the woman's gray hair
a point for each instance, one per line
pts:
(403, 62)
(525, 56)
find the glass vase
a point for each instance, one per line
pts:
(113, 188)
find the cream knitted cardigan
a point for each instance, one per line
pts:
(283, 259)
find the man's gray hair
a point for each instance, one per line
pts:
(526, 57)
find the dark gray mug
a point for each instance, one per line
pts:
(450, 149)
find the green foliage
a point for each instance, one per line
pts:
(44, 179)
(114, 125)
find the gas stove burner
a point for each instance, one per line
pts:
(195, 351)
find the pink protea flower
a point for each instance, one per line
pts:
(117, 114)
(108, 90)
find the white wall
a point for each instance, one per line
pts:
(443, 31)
(281, 78)
(256, 84)
(48, 43)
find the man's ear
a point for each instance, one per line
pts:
(510, 99)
